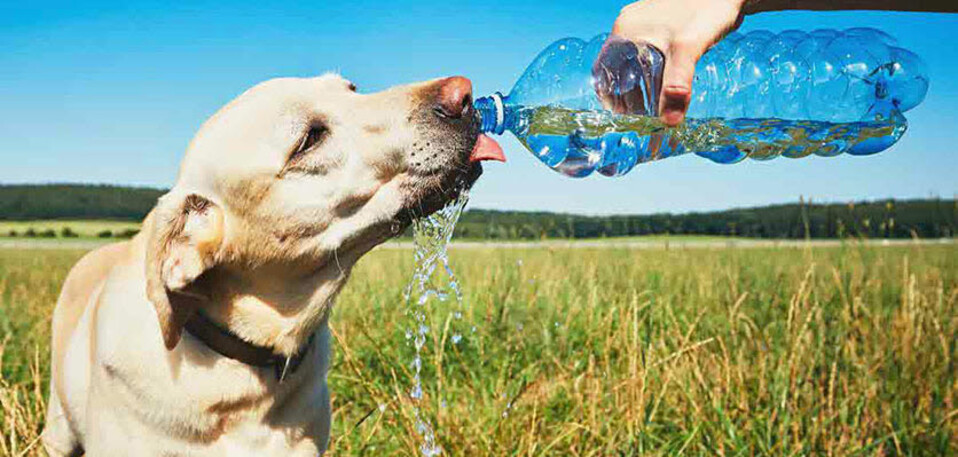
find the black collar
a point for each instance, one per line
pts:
(228, 344)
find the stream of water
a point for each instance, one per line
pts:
(433, 280)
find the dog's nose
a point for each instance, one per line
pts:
(455, 97)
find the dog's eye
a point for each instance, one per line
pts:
(314, 136)
(352, 87)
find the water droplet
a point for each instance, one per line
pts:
(430, 450)
(505, 412)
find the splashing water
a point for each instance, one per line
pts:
(431, 237)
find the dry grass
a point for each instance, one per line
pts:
(29, 286)
(844, 351)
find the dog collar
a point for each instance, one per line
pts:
(228, 344)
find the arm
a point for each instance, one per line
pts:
(928, 6)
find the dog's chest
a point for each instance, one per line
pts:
(211, 405)
(235, 417)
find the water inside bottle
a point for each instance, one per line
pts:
(578, 142)
(433, 281)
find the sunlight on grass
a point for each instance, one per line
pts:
(820, 351)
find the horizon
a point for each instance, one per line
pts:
(111, 92)
(470, 207)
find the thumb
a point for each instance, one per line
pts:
(677, 83)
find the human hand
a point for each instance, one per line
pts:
(683, 30)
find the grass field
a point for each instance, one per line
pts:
(92, 228)
(83, 228)
(848, 350)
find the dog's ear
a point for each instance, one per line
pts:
(184, 238)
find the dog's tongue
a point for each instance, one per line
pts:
(486, 149)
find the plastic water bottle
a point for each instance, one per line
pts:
(757, 95)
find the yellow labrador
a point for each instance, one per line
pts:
(206, 334)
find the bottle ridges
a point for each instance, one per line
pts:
(825, 75)
(759, 95)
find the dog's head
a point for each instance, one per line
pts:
(300, 177)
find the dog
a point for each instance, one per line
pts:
(206, 334)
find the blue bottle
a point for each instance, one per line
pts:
(757, 95)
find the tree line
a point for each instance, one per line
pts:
(925, 218)
(922, 218)
(76, 201)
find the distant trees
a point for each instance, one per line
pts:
(928, 218)
(925, 218)
(75, 201)
(68, 232)
(128, 233)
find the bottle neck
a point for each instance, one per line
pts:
(493, 112)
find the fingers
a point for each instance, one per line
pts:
(683, 29)
(677, 83)
(619, 73)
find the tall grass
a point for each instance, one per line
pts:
(29, 285)
(838, 351)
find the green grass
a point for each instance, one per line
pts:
(83, 228)
(699, 238)
(87, 229)
(612, 352)
(616, 239)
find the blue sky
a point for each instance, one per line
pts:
(112, 92)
